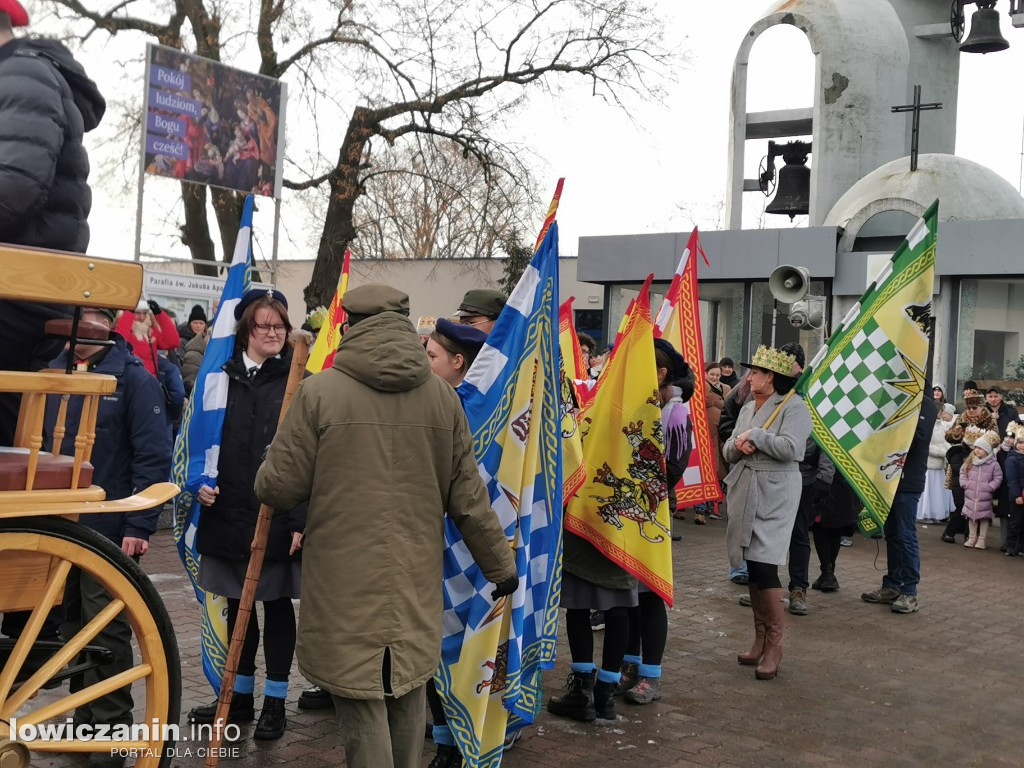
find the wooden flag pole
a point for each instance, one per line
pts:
(778, 409)
(300, 353)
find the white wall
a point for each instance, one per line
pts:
(434, 287)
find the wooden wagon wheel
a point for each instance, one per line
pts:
(69, 545)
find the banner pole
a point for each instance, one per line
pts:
(142, 154)
(300, 353)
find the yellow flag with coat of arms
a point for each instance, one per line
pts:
(622, 508)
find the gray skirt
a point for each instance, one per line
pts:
(581, 594)
(279, 578)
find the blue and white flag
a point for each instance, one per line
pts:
(197, 449)
(493, 653)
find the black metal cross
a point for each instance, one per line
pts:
(917, 107)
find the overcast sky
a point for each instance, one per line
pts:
(662, 167)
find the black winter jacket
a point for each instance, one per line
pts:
(133, 445)
(250, 423)
(916, 465)
(47, 103)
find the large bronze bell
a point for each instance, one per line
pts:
(793, 194)
(985, 36)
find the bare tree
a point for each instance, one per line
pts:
(452, 70)
(425, 200)
(398, 70)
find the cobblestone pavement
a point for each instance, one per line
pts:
(859, 685)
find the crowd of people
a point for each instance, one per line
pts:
(976, 470)
(388, 414)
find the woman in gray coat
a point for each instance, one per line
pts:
(764, 493)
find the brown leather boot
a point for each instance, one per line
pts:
(774, 621)
(753, 656)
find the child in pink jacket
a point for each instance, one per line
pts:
(980, 477)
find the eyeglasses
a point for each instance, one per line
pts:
(267, 328)
(463, 321)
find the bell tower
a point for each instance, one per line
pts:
(868, 56)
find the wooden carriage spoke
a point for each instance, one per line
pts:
(17, 658)
(86, 695)
(61, 658)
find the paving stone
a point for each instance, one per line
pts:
(859, 685)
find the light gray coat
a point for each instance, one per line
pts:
(764, 487)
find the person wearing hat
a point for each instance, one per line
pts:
(937, 500)
(381, 449)
(480, 308)
(195, 325)
(257, 375)
(132, 451)
(425, 325)
(764, 490)
(1014, 471)
(452, 348)
(46, 104)
(1002, 412)
(961, 443)
(149, 331)
(640, 680)
(980, 477)
(729, 375)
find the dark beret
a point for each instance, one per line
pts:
(374, 298)
(464, 335)
(679, 367)
(482, 301)
(257, 293)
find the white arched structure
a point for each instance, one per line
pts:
(862, 59)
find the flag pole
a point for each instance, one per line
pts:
(778, 409)
(300, 353)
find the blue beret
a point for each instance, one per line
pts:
(464, 335)
(258, 293)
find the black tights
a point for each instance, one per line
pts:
(581, 636)
(763, 575)
(278, 638)
(434, 701)
(648, 622)
(827, 545)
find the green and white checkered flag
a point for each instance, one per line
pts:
(865, 387)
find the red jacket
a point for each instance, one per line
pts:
(163, 335)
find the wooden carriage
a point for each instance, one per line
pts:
(42, 495)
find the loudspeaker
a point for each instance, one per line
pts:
(807, 314)
(789, 284)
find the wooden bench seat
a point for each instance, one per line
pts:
(51, 472)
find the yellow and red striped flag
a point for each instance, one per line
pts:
(622, 508)
(678, 322)
(321, 356)
(573, 369)
(550, 217)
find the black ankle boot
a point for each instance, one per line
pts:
(604, 700)
(272, 719)
(578, 700)
(242, 710)
(447, 757)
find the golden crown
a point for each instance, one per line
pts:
(972, 434)
(774, 360)
(992, 438)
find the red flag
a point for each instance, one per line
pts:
(678, 321)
